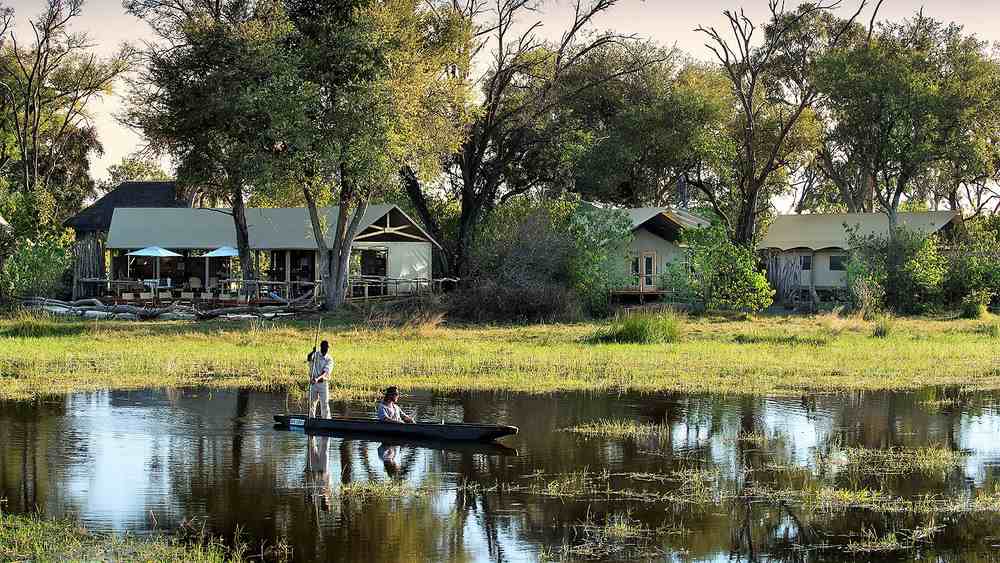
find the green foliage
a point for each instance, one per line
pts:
(906, 269)
(723, 274)
(530, 248)
(36, 268)
(646, 327)
(974, 265)
(975, 305)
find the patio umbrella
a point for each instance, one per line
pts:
(154, 252)
(221, 252)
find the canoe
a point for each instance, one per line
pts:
(483, 448)
(452, 431)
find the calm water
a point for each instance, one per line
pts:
(143, 461)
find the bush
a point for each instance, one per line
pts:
(643, 328)
(975, 304)
(36, 268)
(974, 266)
(486, 300)
(550, 259)
(883, 327)
(905, 271)
(723, 275)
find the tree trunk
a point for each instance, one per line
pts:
(325, 271)
(412, 185)
(746, 222)
(242, 237)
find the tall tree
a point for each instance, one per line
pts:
(50, 81)
(914, 106)
(384, 76)
(211, 96)
(518, 96)
(774, 89)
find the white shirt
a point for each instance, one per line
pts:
(389, 412)
(320, 364)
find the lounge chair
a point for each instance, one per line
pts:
(146, 298)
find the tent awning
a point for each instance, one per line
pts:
(155, 252)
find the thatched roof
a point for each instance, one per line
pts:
(818, 231)
(97, 217)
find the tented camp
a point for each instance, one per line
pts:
(656, 235)
(817, 244)
(390, 248)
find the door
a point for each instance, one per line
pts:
(647, 282)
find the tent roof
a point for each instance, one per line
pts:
(828, 230)
(287, 228)
(683, 219)
(97, 217)
(154, 251)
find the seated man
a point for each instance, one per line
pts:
(388, 411)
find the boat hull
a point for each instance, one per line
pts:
(445, 432)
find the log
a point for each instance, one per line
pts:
(84, 308)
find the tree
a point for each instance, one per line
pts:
(519, 95)
(382, 71)
(49, 84)
(217, 97)
(133, 168)
(915, 105)
(775, 125)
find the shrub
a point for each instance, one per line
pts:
(904, 271)
(548, 259)
(883, 327)
(723, 275)
(974, 265)
(643, 328)
(975, 304)
(36, 268)
(988, 329)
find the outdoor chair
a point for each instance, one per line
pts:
(146, 298)
(194, 283)
(164, 297)
(187, 298)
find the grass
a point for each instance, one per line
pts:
(42, 356)
(614, 429)
(364, 491)
(897, 461)
(645, 327)
(33, 538)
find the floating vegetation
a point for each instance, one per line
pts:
(616, 429)
(691, 486)
(364, 491)
(618, 535)
(898, 461)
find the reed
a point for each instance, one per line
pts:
(614, 429)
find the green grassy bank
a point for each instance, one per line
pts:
(41, 356)
(33, 538)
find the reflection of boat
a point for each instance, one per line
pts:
(452, 431)
(484, 448)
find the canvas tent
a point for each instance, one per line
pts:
(656, 234)
(819, 241)
(5, 226)
(389, 244)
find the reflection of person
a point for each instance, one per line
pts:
(390, 459)
(317, 472)
(388, 411)
(320, 366)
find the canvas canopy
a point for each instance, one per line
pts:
(154, 252)
(829, 230)
(269, 228)
(223, 252)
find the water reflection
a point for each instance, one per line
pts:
(146, 460)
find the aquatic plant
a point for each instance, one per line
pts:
(615, 429)
(364, 491)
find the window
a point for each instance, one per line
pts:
(806, 261)
(372, 262)
(838, 263)
(649, 263)
(635, 267)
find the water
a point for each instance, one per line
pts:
(148, 460)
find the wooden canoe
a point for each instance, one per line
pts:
(461, 432)
(483, 448)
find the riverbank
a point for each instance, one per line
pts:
(768, 355)
(33, 538)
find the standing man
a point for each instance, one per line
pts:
(320, 366)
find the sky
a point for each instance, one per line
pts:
(669, 22)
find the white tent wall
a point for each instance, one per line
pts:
(406, 261)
